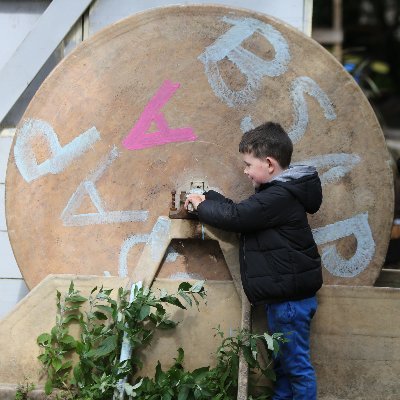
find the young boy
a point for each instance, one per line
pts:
(279, 261)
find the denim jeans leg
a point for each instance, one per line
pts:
(293, 362)
(282, 385)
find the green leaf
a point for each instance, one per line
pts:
(167, 324)
(248, 356)
(104, 308)
(48, 387)
(43, 358)
(106, 347)
(186, 298)
(100, 316)
(144, 312)
(181, 355)
(66, 365)
(200, 373)
(71, 317)
(269, 373)
(184, 286)
(174, 301)
(197, 287)
(68, 339)
(184, 392)
(76, 298)
(78, 375)
(159, 373)
(166, 396)
(93, 290)
(43, 339)
(276, 347)
(270, 341)
(56, 363)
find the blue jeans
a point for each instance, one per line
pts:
(295, 375)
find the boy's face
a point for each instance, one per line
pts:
(258, 170)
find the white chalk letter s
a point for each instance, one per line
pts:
(301, 85)
(61, 157)
(253, 67)
(332, 261)
(340, 163)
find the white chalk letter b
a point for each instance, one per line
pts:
(253, 67)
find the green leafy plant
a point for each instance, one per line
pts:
(23, 389)
(90, 367)
(218, 383)
(102, 327)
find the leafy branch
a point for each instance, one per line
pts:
(89, 367)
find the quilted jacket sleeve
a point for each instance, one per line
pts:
(260, 211)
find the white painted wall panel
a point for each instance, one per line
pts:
(104, 12)
(11, 292)
(5, 146)
(30, 56)
(8, 265)
(17, 18)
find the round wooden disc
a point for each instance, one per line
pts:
(161, 99)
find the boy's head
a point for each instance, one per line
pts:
(267, 151)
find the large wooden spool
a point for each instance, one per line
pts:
(89, 175)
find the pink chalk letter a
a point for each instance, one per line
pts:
(140, 138)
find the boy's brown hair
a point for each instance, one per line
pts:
(268, 140)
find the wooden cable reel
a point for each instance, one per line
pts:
(162, 98)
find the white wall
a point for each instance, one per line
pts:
(293, 12)
(17, 18)
(12, 286)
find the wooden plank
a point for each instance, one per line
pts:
(149, 262)
(36, 48)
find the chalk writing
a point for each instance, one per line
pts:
(88, 187)
(253, 67)
(301, 85)
(183, 276)
(172, 255)
(159, 235)
(140, 138)
(158, 241)
(341, 164)
(127, 244)
(332, 261)
(61, 157)
(246, 124)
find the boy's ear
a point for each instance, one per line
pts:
(271, 164)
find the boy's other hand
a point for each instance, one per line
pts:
(195, 200)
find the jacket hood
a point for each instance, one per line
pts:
(302, 182)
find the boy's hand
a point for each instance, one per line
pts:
(195, 200)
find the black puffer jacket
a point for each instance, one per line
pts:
(279, 259)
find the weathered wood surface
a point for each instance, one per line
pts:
(200, 74)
